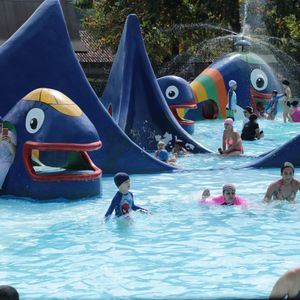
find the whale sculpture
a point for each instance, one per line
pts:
(53, 140)
(40, 54)
(255, 83)
(179, 95)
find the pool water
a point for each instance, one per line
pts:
(182, 250)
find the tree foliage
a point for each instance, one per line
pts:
(283, 21)
(180, 31)
(163, 23)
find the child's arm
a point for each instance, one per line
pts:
(111, 208)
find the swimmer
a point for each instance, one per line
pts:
(285, 188)
(287, 286)
(179, 148)
(228, 198)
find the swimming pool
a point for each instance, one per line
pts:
(181, 251)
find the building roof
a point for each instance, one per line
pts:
(14, 13)
(96, 53)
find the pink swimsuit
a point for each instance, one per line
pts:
(220, 200)
(295, 114)
(240, 148)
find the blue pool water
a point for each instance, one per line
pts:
(181, 251)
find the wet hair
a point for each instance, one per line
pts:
(275, 92)
(287, 165)
(285, 82)
(253, 117)
(179, 142)
(295, 103)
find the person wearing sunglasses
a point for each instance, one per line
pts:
(285, 188)
(228, 197)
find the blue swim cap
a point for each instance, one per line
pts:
(163, 155)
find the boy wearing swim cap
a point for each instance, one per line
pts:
(285, 188)
(122, 203)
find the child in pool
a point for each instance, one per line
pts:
(122, 203)
(160, 146)
(227, 198)
(179, 148)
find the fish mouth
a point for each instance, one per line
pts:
(255, 95)
(179, 119)
(76, 165)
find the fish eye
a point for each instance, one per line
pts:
(34, 120)
(259, 79)
(172, 92)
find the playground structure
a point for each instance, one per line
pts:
(53, 140)
(141, 114)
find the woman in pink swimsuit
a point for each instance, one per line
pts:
(232, 142)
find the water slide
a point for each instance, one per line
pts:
(275, 158)
(135, 99)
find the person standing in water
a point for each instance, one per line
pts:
(286, 100)
(231, 104)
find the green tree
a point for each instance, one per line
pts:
(165, 24)
(283, 21)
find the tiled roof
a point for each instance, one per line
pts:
(96, 53)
